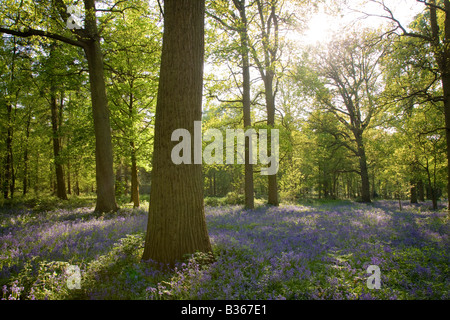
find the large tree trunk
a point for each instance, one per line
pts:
(106, 200)
(90, 42)
(60, 184)
(446, 88)
(364, 172)
(442, 51)
(445, 66)
(176, 223)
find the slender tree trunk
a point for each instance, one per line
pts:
(119, 177)
(25, 172)
(210, 191)
(176, 223)
(269, 24)
(77, 183)
(8, 158)
(69, 187)
(400, 206)
(270, 104)
(134, 168)
(413, 191)
(428, 191)
(36, 177)
(12, 184)
(420, 191)
(249, 187)
(106, 200)
(9, 170)
(25, 154)
(134, 177)
(319, 181)
(432, 188)
(60, 184)
(385, 190)
(214, 184)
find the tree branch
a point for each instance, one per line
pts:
(391, 17)
(41, 33)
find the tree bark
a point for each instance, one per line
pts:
(25, 154)
(9, 154)
(90, 42)
(134, 168)
(442, 52)
(214, 183)
(270, 104)
(413, 191)
(446, 88)
(134, 177)
(246, 102)
(176, 224)
(351, 76)
(8, 182)
(266, 70)
(420, 191)
(60, 184)
(106, 200)
(69, 186)
(364, 172)
(431, 190)
(77, 183)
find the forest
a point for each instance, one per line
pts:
(229, 149)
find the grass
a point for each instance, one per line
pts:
(312, 250)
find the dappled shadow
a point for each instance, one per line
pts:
(341, 239)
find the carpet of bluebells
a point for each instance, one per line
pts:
(307, 251)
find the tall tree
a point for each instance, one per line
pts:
(56, 120)
(239, 23)
(106, 200)
(431, 31)
(10, 95)
(348, 80)
(87, 38)
(56, 125)
(133, 50)
(266, 59)
(25, 180)
(246, 99)
(176, 223)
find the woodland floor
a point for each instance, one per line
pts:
(309, 250)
